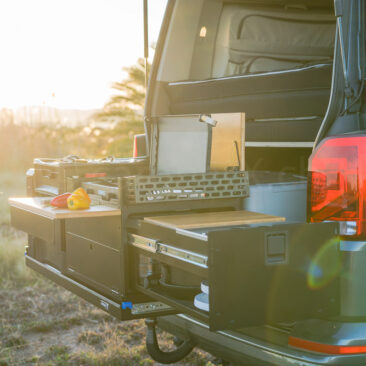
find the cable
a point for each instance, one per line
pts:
(355, 100)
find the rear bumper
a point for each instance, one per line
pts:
(238, 348)
(245, 350)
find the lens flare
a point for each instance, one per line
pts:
(325, 265)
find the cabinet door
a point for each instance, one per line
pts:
(93, 253)
(272, 274)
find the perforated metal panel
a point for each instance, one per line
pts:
(180, 187)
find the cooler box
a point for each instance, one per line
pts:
(278, 194)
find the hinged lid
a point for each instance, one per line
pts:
(191, 144)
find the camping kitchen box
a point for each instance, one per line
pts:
(172, 236)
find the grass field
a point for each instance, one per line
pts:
(42, 324)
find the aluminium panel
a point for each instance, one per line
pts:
(269, 274)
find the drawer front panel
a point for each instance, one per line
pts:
(94, 263)
(47, 252)
(46, 236)
(105, 230)
(272, 274)
(33, 224)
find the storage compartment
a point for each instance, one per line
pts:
(226, 267)
(46, 241)
(41, 226)
(244, 275)
(46, 226)
(277, 193)
(93, 253)
(83, 251)
(49, 252)
(194, 145)
(272, 273)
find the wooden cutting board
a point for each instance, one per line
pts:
(212, 219)
(37, 206)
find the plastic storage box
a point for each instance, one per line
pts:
(278, 194)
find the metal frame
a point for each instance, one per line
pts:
(123, 311)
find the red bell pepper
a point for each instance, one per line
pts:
(61, 200)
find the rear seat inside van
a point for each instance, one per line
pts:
(275, 66)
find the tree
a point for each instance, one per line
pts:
(129, 101)
(125, 111)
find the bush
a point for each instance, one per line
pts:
(21, 143)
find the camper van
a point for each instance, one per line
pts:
(238, 224)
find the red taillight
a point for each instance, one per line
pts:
(135, 147)
(95, 175)
(325, 348)
(337, 184)
(139, 145)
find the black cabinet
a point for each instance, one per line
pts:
(93, 253)
(256, 275)
(272, 274)
(46, 237)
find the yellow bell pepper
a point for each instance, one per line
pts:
(79, 200)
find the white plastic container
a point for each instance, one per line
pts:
(279, 194)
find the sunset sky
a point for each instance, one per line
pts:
(66, 53)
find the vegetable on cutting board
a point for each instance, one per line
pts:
(78, 200)
(60, 201)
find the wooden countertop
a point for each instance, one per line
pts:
(37, 205)
(212, 219)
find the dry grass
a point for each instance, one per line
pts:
(45, 325)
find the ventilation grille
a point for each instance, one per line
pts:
(142, 189)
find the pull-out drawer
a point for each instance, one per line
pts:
(84, 251)
(85, 244)
(46, 241)
(258, 274)
(252, 269)
(93, 253)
